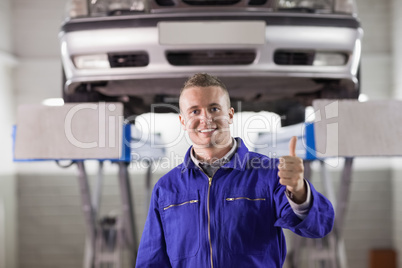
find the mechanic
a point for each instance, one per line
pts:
(225, 206)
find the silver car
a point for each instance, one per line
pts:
(275, 55)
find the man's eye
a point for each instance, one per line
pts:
(194, 112)
(214, 109)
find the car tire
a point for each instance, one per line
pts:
(82, 94)
(295, 114)
(335, 90)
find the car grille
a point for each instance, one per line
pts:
(165, 3)
(183, 3)
(210, 57)
(257, 2)
(211, 2)
(134, 59)
(294, 57)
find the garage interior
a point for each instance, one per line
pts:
(41, 222)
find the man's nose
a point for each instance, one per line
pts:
(206, 117)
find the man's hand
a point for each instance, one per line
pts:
(291, 173)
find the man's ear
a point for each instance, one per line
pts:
(231, 115)
(182, 121)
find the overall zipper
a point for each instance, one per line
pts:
(209, 220)
(176, 205)
(209, 217)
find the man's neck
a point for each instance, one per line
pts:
(211, 154)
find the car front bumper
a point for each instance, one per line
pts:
(262, 78)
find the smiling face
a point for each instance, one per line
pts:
(206, 116)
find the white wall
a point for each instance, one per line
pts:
(5, 30)
(396, 45)
(397, 93)
(376, 68)
(35, 36)
(52, 231)
(8, 222)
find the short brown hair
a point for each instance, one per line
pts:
(205, 80)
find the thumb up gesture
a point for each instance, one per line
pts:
(291, 173)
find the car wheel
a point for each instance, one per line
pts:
(83, 93)
(295, 114)
(335, 90)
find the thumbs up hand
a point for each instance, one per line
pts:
(291, 173)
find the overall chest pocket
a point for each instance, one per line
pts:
(245, 223)
(181, 225)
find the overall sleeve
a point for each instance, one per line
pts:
(301, 210)
(152, 250)
(317, 223)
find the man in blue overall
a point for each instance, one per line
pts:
(225, 206)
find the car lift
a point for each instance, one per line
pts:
(328, 137)
(103, 123)
(76, 133)
(109, 236)
(329, 251)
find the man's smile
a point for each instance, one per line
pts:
(207, 130)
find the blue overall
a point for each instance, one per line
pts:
(233, 219)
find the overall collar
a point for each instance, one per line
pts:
(218, 162)
(237, 161)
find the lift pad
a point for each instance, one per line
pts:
(349, 128)
(77, 131)
(341, 128)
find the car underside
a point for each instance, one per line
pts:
(270, 58)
